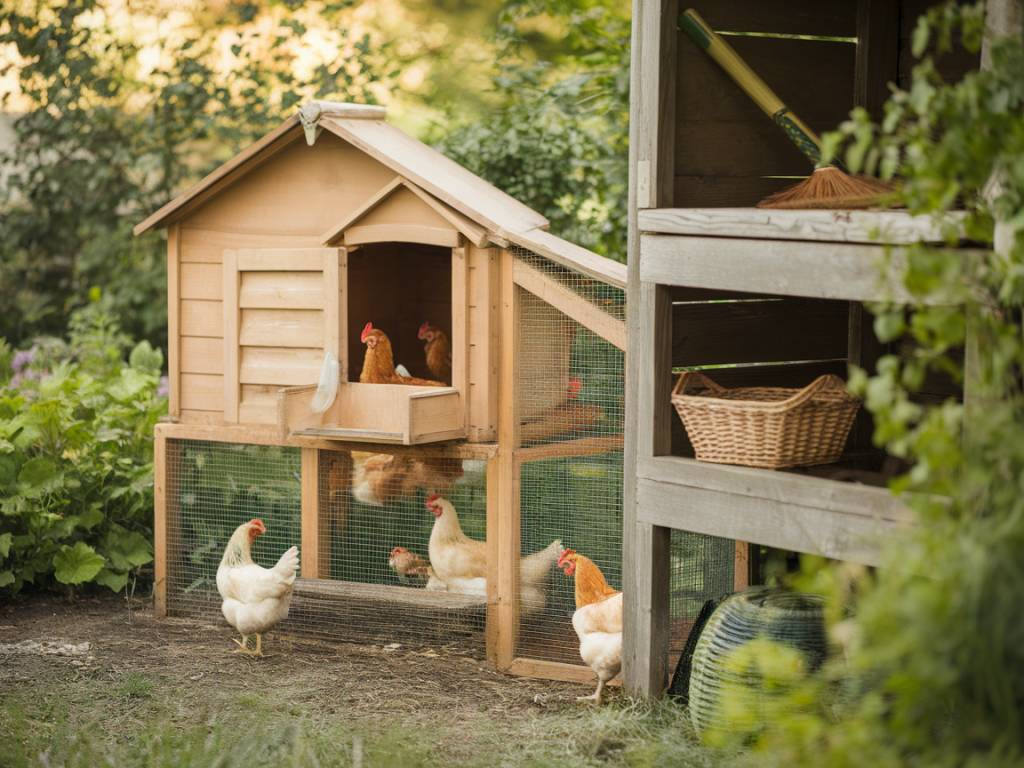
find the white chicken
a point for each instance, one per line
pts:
(461, 562)
(255, 598)
(597, 620)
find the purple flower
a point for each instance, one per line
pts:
(164, 387)
(22, 358)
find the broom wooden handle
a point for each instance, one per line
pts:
(714, 45)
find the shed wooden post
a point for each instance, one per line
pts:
(315, 551)
(160, 549)
(645, 548)
(508, 474)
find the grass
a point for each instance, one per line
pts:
(134, 721)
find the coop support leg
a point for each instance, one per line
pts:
(646, 625)
(314, 555)
(160, 549)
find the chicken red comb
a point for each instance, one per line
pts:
(565, 556)
(575, 385)
(366, 331)
(432, 498)
(422, 333)
(396, 550)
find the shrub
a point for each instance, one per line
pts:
(76, 457)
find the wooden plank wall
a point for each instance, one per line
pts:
(726, 147)
(770, 341)
(726, 150)
(201, 315)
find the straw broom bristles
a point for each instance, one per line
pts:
(829, 187)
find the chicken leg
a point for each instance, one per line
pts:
(596, 695)
(243, 646)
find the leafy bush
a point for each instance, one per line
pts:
(76, 457)
(558, 139)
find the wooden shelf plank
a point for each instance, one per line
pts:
(846, 271)
(783, 487)
(890, 227)
(843, 521)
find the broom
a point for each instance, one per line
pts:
(828, 186)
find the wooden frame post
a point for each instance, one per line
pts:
(507, 534)
(315, 554)
(645, 547)
(174, 321)
(160, 548)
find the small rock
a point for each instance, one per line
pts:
(392, 647)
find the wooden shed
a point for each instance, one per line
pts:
(754, 297)
(277, 261)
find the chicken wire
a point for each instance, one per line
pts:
(576, 394)
(373, 502)
(212, 489)
(215, 487)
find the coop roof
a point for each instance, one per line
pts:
(465, 200)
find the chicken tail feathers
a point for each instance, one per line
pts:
(533, 569)
(288, 564)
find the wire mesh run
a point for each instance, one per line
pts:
(214, 488)
(701, 569)
(382, 588)
(578, 500)
(369, 504)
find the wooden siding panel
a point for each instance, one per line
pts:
(202, 355)
(281, 290)
(202, 392)
(202, 318)
(280, 366)
(281, 328)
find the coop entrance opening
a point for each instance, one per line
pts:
(398, 287)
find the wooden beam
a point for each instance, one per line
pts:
(270, 435)
(741, 567)
(848, 271)
(785, 525)
(645, 550)
(584, 446)
(784, 487)
(646, 623)
(867, 227)
(553, 670)
(571, 304)
(460, 326)
(569, 255)
(160, 548)
(173, 320)
(508, 494)
(315, 555)
(493, 642)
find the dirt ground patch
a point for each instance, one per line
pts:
(100, 681)
(195, 657)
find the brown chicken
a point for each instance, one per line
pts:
(408, 564)
(382, 477)
(597, 620)
(438, 350)
(379, 362)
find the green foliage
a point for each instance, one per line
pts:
(109, 136)
(557, 141)
(76, 458)
(936, 649)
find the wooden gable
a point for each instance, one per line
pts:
(402, 212)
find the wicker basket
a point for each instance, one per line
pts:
(771, 427)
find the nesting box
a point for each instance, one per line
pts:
(277, 261)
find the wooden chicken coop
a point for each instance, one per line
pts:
(277, 262)
(749, 296)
